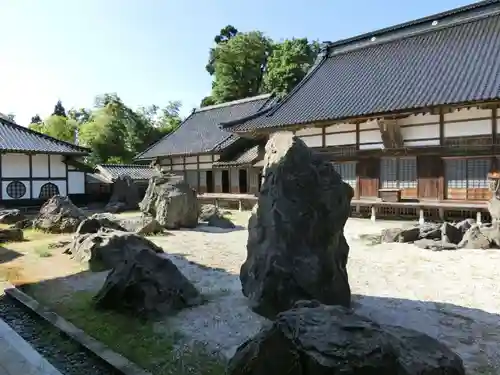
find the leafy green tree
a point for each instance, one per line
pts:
(288, 64)
(58, 127)
(224, 35)
(81, 115)
(36, 119)
(207, 100)
(239, 66)
(59, 110)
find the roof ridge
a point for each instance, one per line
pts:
(124, 165)
(415, 22)
(233, 102)
(164, 137)
(45, 136)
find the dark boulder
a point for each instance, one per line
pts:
(11, 216)
(220, 221)
(147, 284)
(59, 215)
(207, 211)
(11, 235)
(451, 234)
(125, 195)
(329, 340)
(107, 248)
(172, 202)
(92, 225)
(23, 224)
(296, 247)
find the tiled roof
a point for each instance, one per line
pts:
(244, 158)
(454, 60)
(96, 178)
(200, 132)
(135, 171)
(17, 138)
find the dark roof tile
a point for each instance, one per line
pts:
(244, 158)
(453, 62)
(135, 171)
(17, 138)
(200, 132)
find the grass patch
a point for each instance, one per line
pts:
(133, 338)
(43, 252)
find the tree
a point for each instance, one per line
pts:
(81, 115)
(288, 64)
(36, 119)
(58, 127)
(206, 101)
(239, 66)
(225, 34)
(59, 110)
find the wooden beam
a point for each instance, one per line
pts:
(390, 133)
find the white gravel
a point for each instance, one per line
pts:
(450, 295)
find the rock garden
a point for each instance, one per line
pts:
(180, 288)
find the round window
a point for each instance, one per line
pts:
(16, 189)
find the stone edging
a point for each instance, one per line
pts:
(102, 351)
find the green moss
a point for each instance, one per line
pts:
(135, 339)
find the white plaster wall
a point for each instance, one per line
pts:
(40, 163)
(309, 131)
(191, 159)
(313, 141)
(5, 196)
(15, 165)
(206, 165)
(205, 158)
(371, 146)
(419, 119)
(468, 128)
(191, 166)
(57, 167)
(76, 182)
(39, 183)
(178, 160)
(368, 125)
(370, 136)
(216, 157)
(466, 114)
(177, 167)
(428, 142)
(340, 128)
(420, 132)
(340, 139)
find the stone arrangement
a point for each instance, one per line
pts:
(125, 195)
(296, 247)
(297, 251)
(171, 202)
(59, 215)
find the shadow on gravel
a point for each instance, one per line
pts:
(8, 255)
(216, 230)
(473, 333)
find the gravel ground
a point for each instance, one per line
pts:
(452, 296)
(64, 354)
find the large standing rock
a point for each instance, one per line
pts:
(125, 195)
(147, 284)
(11, 216)
(59, 215)
(172, 202)
(328, 340)
(296, 247)
(107, 248)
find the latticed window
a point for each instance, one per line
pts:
(456, 173)
(48, 190)
(398, 173)
(467, 173)
(347, 171)
(16, 189)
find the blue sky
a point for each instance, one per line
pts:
(153, 51)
